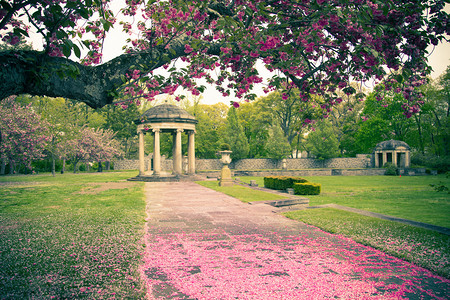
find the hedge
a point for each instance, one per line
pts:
(282, 182)
(307, 188)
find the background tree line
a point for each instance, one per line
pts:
(48, 132)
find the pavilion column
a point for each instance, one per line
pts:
(191, 152)
(407, 159)
(177, 157)
(141, 153)
(156, 153)
(377, 162)
(394, 158)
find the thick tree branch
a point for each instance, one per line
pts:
(34, 73)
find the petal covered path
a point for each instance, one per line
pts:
(201, 244)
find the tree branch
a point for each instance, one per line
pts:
(35, 73)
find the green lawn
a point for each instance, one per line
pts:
(408, 197)
(243, 193)
(56, 242)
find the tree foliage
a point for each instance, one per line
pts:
(322, 142)
(316, 46)
(121, 122)
(23, 134)
(256, 122)
(235, 137)
(277, 145)
(210, 128)
(91, 145)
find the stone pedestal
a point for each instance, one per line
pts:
(284, 164)
(225, 176)
(225, 173)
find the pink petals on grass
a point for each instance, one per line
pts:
(207, 265)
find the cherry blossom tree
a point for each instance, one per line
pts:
(318, 46)
(103, 147)
(91, 145)
(23, 135)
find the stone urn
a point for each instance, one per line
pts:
(225, 173)
(225, 157)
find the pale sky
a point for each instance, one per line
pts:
(439, 58)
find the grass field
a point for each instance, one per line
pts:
(408, 197)
(59, 242)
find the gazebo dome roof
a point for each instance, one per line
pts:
(391, 145)
(166, 113)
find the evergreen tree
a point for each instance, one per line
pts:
(322, 142)
(235, 136)
(277, 146)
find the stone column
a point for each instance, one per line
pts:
(177, 158)
(377, 161)
(407, 159)
(156, 153)
(141, 153)
(394, 158)
(191, 152)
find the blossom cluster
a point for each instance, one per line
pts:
(90, 145)
(315, 46)
(24, 135)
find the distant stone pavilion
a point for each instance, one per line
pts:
(172, 119)
(392, 151)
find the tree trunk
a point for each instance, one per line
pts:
(108, 165)
(11, 167)
(75, 167)
(100, 167)
(53, 165)
(3, 166)
(63, 166)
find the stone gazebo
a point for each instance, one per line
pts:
(392, 151)
(172, 119)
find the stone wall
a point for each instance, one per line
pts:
(128, 164)
(312, 172)
(208, 164)
(359, 162)
(255, 164)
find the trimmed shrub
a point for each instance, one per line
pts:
(307, 188)
(282, 182)
(391, 169)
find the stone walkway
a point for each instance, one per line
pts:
(201, 244)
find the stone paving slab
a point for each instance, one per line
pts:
(201, 244)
